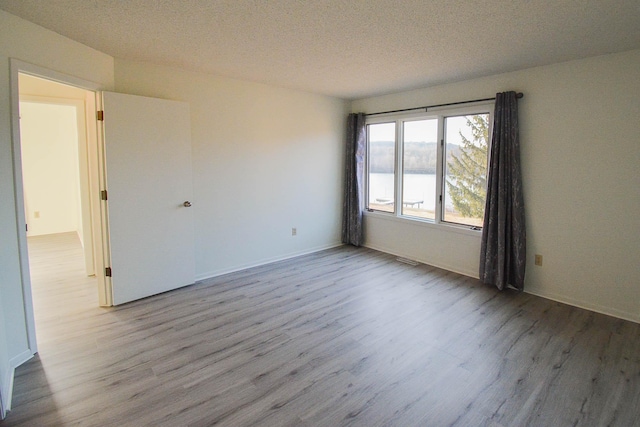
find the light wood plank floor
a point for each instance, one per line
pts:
(342, 337)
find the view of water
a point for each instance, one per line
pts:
(415, 187)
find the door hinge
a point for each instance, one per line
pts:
(107, 271)
(103, 195)
(442, 142)
(26, 226)
(100, 115)
(440, 198)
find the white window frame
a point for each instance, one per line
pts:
(399, 119)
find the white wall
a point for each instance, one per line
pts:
(265, 160)
(27, 42)
(580, 158)
(50, 167)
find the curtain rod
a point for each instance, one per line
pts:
(426, 107)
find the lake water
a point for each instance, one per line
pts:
(415, 187)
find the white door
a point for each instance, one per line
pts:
(147, 146)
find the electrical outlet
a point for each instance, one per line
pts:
(294, 231)
(538, 260)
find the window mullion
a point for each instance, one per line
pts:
(367, 166)
(399, 167)
(440, 170)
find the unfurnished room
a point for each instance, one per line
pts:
(322, 213)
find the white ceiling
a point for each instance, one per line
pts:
(349, 49)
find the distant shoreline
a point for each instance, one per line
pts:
(415, 171)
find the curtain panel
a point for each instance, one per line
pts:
(352, 232)
(503, 247)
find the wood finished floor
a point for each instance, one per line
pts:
(344, 337)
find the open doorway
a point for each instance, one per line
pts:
(55, 176)
(149, 253)
(37, 85)
(56, 187)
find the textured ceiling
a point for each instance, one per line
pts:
(348, 49)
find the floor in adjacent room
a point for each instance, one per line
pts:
(341, 337)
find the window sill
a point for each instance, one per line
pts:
(425, 223)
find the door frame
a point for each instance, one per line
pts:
(95, 171)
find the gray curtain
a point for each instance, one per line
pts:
(503, 248)
(354, 180)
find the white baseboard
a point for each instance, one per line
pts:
(451, 268)
(221, 272)
(20, 359)
(3, 413)
(632, 317)
(6, 389)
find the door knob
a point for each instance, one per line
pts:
(187, 204)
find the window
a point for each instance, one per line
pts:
(382, 162)
(465, 177)
(430, 167)
(419, 166)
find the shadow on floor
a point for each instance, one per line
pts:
(33, 401)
